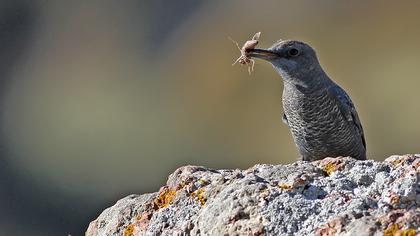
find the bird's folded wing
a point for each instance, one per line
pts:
(348, 110)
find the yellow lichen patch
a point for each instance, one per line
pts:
(408, 232)
(285, 186)
(128, 230)
(203, 182)
(394, 230)
(165, 197)
(329, 168)
(391, 230)
(198, 195)
(396, 162)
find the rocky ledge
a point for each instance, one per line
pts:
(334, 196)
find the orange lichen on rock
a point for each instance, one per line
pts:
(128, 230)
(285, 186)
(408, 232)
(399, 222)
(394, 229)
(329, 165)
(164, 197)
(391, 230)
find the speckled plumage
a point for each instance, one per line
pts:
(321, 116)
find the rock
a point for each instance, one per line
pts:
(333, 196)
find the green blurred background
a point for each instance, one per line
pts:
(100, 99)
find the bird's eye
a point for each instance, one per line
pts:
(293, 52)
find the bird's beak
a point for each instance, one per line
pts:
(264, 54)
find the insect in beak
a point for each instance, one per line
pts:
(244, 59)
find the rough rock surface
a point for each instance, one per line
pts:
(334, 196)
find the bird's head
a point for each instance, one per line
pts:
(294, 60)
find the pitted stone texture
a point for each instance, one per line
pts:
(334, 196)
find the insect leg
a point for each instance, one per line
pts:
(239, 58)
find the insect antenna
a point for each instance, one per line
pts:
(233, 41)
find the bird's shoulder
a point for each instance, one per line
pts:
(342, 97)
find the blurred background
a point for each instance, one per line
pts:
(100, 99)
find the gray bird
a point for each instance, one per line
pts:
(321, 117)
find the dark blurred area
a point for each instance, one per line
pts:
(100, 99)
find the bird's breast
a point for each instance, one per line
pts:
(313, 118)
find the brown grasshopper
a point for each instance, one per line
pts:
(244, 59)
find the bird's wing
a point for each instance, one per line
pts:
(284, 119)
(348, 110)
